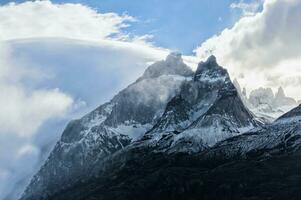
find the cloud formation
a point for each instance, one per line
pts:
(261, 45)
(40, 90)
(23, 111)
(46, 19)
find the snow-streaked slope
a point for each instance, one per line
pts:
(109, 128)
(283, 135)
(207, 110)
(131, 173)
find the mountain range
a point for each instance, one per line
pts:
(175, 134)
(264, 103)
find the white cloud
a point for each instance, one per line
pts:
(23, 111)
(261, 46)
(58, 61)
(46, 19)
(87, 73)
(39, 78)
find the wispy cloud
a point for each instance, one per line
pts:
(247, 9)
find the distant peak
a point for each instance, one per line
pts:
(280, 93)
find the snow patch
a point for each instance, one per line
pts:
(134, 131)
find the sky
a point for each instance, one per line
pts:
(60, 59)
(187, 23)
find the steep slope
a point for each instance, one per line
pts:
(140, 173)
(109, 128)
(207, 110)
(242, 92)
(176, 160)
(282, 136)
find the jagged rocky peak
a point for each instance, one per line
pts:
(282, 100)
(261, 96)
(211, 71)
(210, 63)
(174, 57)
(280, 93)
(172, 65)
(207, 110)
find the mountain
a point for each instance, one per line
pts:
(261, 102)
(281, 136)
(208, 109)
(109, 128)
(178, 111)
(264, 163)
(266, 105)
(282, 100)
(198, 142)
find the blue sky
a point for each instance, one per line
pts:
(175, 24)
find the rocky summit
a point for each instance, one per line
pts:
(174, 134)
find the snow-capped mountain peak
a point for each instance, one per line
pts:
(266, 105)
(172, 65)
(280, 93)
(208, 109)
(211, 71)
(169, 110)
(174, 57)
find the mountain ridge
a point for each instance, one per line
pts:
(170, 123)
(140, 173)
(203, 103)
